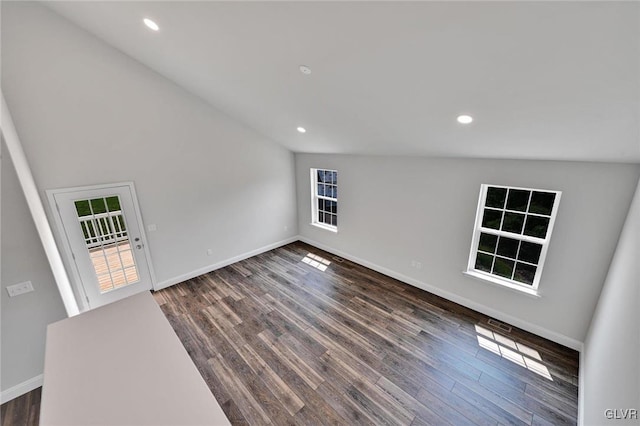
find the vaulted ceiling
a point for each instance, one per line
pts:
(543, 80)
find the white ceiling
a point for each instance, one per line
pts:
(543, 80)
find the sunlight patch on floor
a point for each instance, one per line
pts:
(316, 261)
(515, 352)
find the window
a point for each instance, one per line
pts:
(324, 198)
(511, 237)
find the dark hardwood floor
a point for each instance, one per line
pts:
(22, 411)
(281, 341)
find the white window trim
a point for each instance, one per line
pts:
(325, 226)
(478, 229)
(492, 279)
(313, 172)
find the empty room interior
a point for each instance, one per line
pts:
(402, 213)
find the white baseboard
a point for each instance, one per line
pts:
(535, 329)
(21, 388)
(201, 271)
(532, 328)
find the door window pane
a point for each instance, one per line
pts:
(82, 208)
(131, 274)
(107, 241)
(98, 206)
(113, 204)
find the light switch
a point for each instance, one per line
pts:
(152, 227)
(21, 288)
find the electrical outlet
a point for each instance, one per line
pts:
(21, 288)
(152, 228)
(286, 227)
(209, 252)
(416, 264)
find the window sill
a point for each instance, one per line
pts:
(504, 284)
(325, 227)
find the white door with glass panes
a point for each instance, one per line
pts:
(103, 233)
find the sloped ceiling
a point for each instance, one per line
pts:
(543, 80)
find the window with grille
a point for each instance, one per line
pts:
(107, 240)
(324, 198)
(511, 236)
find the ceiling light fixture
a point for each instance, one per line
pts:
(302, 130)
(305, 70)
(464, 119)
(150, 24)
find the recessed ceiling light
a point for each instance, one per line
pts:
(152, 25)
(464, 119)
(302, 130)
(305, 69)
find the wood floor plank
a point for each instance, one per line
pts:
(310, 376)
(376, 412)
(346, 407)
(250, 408)
(427, 415)
(489, 407)
(506, 404)
(413, 367)
(23, 410)
(280, 389)
(452, 406)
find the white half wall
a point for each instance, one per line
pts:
(24, 318)
(393, 210)
(611, 362)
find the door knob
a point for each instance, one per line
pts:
(139, 246)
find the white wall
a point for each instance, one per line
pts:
(88, 114)
(611, 361)
(24, 318)
(393, 210)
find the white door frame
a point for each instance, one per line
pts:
(66, 246)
